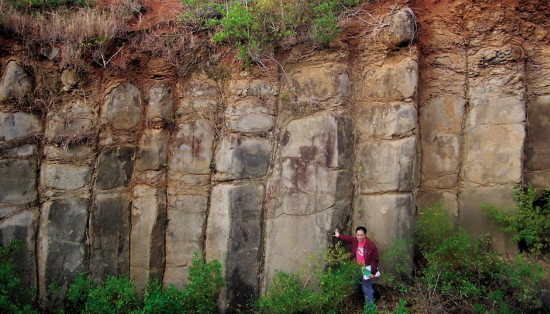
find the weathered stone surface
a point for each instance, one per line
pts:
(447, 198)
(307, 188)
(18, 125)
(18, 183)
(152, 150)
(387, 166)
(151, 177)
(324, 138)
(72, 153)
(326, 84)
(62, 244)
(311, 195)
(492, 56)
(402, 27)
(15, 84)
(22, 226)
(290, 239)
(386, 217)
(538, 179)
(441, 129)
(147, 234)
(471, 214)
(239, 157)
(65, 177)
(73, 122)
(494, 154)
(537, 148)
(248, 116)
(184, 235)
(191, 148)
(234, 236)
(386, 121)
(110, 236)
(392, 82)
(122, 107)
(69, 78)
(161, 102)
(23, 151)
(114, 167)
(507, 110)
(200, 94)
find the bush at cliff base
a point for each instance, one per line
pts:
(14, 298)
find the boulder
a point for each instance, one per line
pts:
(402, 27)
(15, 84)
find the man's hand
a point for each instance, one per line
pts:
(336, 233)
(371, 276)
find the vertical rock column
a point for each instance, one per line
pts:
(442, 101)
(65, 184)
(386, 152)
(19, 171)
(537, 151)
(311, 191)
(189, 168)
(243, 156)
(494, 137)
(147, 239)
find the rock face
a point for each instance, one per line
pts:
(15, 84)
(136, 172)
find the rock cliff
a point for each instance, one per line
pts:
(136, 170)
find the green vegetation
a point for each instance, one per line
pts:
(457, 275)
(14, 299)
(258, 27)
(530, 221)
(118, 294)
(291, 294)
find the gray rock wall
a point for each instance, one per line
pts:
(135, 173)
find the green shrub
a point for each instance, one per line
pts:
(14, 298)
(461, 276)
(114, 295)
(530, 221)
(288, 295)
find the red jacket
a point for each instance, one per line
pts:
(371, 252)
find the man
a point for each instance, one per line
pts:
(365, 253)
